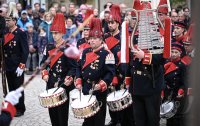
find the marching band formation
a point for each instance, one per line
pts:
(136, 66)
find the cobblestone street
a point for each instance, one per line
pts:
(35, 114)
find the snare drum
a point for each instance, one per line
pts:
(83, 109)
(118, 101)
(168, 109)
(48, 99)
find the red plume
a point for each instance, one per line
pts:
(58, 24)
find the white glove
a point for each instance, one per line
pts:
(13, 96)
(139, 54)
(19, 71)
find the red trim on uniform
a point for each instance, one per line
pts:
(8, 107)
(90, 57)
(127, 80)
(180, 38)
(56, 57)
(111, 42)
(167, 38)
(115, 81)
(78, 81)
(186, 60)
(147, 58)
(180, 92)
(84, 46)
(179, 25)
(21, 66)
(68, 78)
(162, 93)
(45, 72)
(8, 37)
(169, 67)
(103, 85)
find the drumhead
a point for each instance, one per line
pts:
(50, 92)
(75, 93)
(166, 107)
(84, 101)
(118, 95)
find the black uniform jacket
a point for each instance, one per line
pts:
(59, 67)
(95, 66)
(174, 77)
(15, 49)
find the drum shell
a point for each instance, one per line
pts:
(121, 103)
(53, 100)
(171, 113)
(87, 111)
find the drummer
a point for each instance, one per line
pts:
(175, 85)
(60, 70)
(95, 72)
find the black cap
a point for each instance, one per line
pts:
(41, 10)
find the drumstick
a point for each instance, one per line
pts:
(80, 95)
(114, 91)
(124, 92)
(55, 53)
(93, 85)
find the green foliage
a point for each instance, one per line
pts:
(175, 3)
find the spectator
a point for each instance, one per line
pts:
(123, 11)
(96, 13)
(46, 24)
(52, 10)
(70, 28)
(174, 16)
(13, 10)
(41, 14)
(23, 20)
(105, 21)
(181, 16)
(56, 6)
(71, 9)
(19, 8)
(78, 18)
(4, 12)
(29, 11)
(36, 20)
(187, 15)
(5, 5)
(31, 62)
(63, 9)
(37, 7)
(42, 42)
(106, 8)
(186, 11)
(83, 9)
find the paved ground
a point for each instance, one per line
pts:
(36, 115)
